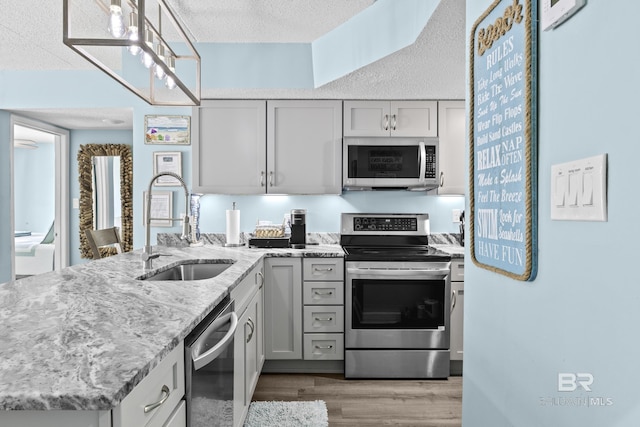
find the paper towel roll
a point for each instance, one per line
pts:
(233, 227)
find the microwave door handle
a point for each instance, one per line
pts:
(422, 158)
(202, 360)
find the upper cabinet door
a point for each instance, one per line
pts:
(367, 118)
(452, 136)
(390, 118)
(229, 147)
(414, 118)
(304, 147)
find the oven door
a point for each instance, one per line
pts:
(397, 305)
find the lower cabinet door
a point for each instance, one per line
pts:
(179, 417)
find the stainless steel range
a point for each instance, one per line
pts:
(398, 298)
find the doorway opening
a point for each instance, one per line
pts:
(39, 197)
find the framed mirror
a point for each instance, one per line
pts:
(105, 173)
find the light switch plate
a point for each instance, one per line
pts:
(579, 190)
(455, 216)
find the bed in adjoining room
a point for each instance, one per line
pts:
(34, 253)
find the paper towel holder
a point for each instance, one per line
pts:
(233, 245)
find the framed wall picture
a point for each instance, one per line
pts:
(161, 208)
(174, 130)
(167, 161)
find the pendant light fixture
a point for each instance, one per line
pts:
(168, 69)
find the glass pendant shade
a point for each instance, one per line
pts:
(116, 22)
(132, 34)
(147, 60)
(168, 81)
(159, 72)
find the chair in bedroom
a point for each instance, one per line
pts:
(104, 237)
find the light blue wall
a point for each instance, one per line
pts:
(581, 313)
(323, 212)
(35, 190)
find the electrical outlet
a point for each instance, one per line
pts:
(455, 216)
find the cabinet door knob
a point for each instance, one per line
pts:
(386, 122)
(441, 179)
(261, 178)
(394, 122)
(271, 179)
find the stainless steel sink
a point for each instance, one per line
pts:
(191, 271)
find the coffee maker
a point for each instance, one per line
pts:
(298, 238)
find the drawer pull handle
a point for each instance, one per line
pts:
(150, 407)
(323, 293)
(324, 347)
(324, 319)
(323, 269)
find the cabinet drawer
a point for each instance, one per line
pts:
(245, 290)
(169, 373)
(323, 269)
(457, 270)
(323, 293)
(323, 346)
(323, 318)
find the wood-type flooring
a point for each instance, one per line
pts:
(428, 403)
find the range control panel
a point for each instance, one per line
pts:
(376, 224)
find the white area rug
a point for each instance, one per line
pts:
(287, 414)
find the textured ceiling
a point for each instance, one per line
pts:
(432, 68)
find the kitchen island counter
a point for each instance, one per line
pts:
(84, 337)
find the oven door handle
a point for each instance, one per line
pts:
(202, 360)
(437, 273)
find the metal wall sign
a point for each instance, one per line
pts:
(503, 139)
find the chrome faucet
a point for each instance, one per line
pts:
(147, 256)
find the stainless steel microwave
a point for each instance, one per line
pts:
(390, 163)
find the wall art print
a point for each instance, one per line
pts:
(503, 139)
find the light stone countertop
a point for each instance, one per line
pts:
(84, 337)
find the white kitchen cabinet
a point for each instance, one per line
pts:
(229, 147)
(248, 341)
(457, 309)
(273, 147)
(283, 308)
(155, 400)
(453, 158)
(323, 317)
(304, 147)
(390, 118)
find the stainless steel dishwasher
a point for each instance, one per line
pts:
(209, 368)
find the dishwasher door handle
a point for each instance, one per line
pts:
(202, 360)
